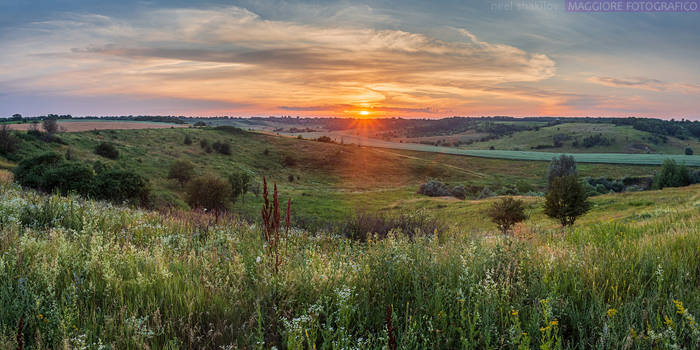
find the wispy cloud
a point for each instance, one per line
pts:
(646, 84)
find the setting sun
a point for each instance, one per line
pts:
(364, 113)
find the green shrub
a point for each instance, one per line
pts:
(31, 172)
(506, 212)
(107, 150)
(688, 151)
(240, 183)
(70, 177)
(188, 140)
(208, 192)
(222, 147)
(672, 174)
(566, 200)
(121, 186)
(182, 171)
(8, 142)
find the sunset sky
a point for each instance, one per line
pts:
(341, 58)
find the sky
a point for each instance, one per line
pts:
(383, 58)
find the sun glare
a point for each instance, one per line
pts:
(364, 113)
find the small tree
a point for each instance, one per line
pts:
(688, 151)
(182, 171)
(107, 150)
(672, 174)
(562, 166)
(566, 200)
(240, 182)
(208, 192)
(507, 212)
(8, 142)
(50, 126)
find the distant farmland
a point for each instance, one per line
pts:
(610, 158)
(77, 126)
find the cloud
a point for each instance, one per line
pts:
(232, 54)
(646, 84)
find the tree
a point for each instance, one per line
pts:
(672, 175)
(107, 150)
(562, 166)
(50, 126)
(240, 183)
(566, 200)
(208, 192)
(16, 117)
(31, 171)
(182, 171)
(688, 151)
(507, 212)
(188, 140)
(121, 186)
(8, 142)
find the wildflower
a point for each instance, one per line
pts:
(524, 334)
(612, 313)
(544, 329)
(668, 321)
(514, 313)
(40, 316)
(257, 260)
(680, 309)
(554, 323)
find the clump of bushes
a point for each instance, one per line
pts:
(325, 139)
(673, 174)
(434, 188)
(182, 171)
(222, 147)
(50, 172)
(361, 226)
(188, 140)
(9, 143)
(107, 150)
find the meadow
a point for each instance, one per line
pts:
(76, 273)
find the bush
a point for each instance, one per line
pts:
(8, 142)
(121, 186)
(30, 172)
(688, 151)
(200, 124)
(507, 212)
(459, 192)
(434, 188)
(188, 140)
(566, 200)
(204, 143)
(672, 175)
(182, 171)
(50, 126)
(240, 183)
(69, 177)
(107, 150)
(289, 161)
(562, 166)
(222, 147)
(208, 192)
(325, 139)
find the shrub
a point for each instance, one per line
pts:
(188, 140)
(208, 192)
(289, 161)
(672, 175)
(30, 172)
(200, 124)
(459, 192)
(566, 200)
(688, 151)
(507, 212)
(8, 142)
(204, 143)
(325, 139)
(222, 147)
(562, 166)
(121, 186)
(107, 150)
(69, 177)
(362, 225)
(50, 126)
(240, 183)
(434, 188)
(182, 171)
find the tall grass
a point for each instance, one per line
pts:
(84, 274)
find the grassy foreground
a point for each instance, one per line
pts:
(84, 274)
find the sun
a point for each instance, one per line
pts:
(364, 113)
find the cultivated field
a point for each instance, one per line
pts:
(77, 126)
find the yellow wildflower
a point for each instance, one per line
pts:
(514, 313)
(612, 313)
(680, 309)
(554, 323)
(669, 321)
(40, 316)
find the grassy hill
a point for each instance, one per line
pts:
(85, 274)
(330, 181)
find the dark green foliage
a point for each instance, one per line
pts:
(50, 126)
(9, 143)
(597, 140)
(566, 200)
(672, 175)
(188, 140)
(200, 124)
(434, 188)
(222, 147)
(688, 151)
(231, 130)
(204, 143)
(562, 166)
(30, 172)
(182, 171)
(208, 192)
(325, 139)
(69, 177)
(240, 183)
(121, 186)
(507, 212)
(459, 192)
(107, 150)
(361, 226)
